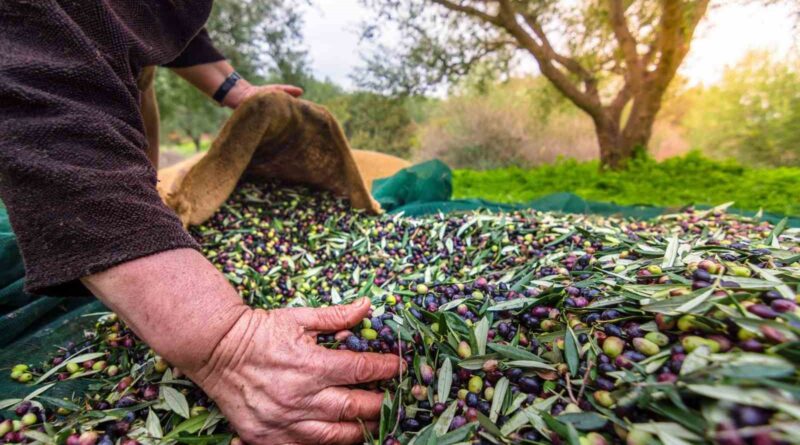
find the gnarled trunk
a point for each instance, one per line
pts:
(619, 143)
(617, 146)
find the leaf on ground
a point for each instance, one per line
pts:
(176, 401)
(445, 380)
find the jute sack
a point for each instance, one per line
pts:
(273, 136)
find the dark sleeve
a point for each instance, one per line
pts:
(79, 189)
(199, 51)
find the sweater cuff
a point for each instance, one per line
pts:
(65, 280)
(200, 50)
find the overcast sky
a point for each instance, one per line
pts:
(331, 34)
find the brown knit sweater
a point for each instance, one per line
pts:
(74, 176)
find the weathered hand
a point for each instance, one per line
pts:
(244, 89)
(277, 386)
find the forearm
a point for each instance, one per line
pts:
(176, 301)
(209, 76)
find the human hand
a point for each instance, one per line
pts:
(277, 386)
(208, 77)
(243, 89)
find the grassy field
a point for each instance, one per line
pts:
(691, 179)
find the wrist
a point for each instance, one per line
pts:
(196, 350)
(225, 354)
(237, 94)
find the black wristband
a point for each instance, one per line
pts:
(226, 87)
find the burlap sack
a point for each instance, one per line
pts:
(273, 136)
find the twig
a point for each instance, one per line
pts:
(569, 390)
(572, 397)
(402, 360)
(589, 366)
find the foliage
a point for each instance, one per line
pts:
(379, 123)
(674, 182)
(370, 121)
(185, 111)
(522, 122)
(753, 113)
(261, 38)
(615, 62)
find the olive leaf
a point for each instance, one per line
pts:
(500, 389)
(571, 351)
(481, 335)
(770, 276)
(39, 437)
(510, 305)
(153, 425)
(531, 364)
(514, 353)
(587, 421)
(176, 401)
(772, 238)
(443, 423)
(670, 253)
(7, 403)
(451, 304)
(445, 380)
(190, 426)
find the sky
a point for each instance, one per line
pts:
(331, 34)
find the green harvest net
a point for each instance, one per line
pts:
(31, 327)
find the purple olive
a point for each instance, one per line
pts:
(458, 422)
(529, 385)
(751, 345)
(762, 310)
(783, 305)
(751, 416)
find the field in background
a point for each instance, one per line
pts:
(691, 179)
(516, 140)
(751, 115)
(523, 122)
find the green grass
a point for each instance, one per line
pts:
(691, 179)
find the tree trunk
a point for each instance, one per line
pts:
(198, 144)
(615, 150)
(618, 145)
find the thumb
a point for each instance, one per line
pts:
(333, 318)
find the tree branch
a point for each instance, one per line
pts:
(570, 64)
(675, 35)
(588, 101)
(635, 72)
(675, 31)
(469, 10)
(625, 39)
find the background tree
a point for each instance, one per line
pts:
(613, 59)
(379, 123)
(752, 113)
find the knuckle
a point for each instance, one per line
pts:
(330, 434)
(340, 316)
(364, 368)
(350, 408)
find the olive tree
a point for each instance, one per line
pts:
(613, 59)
